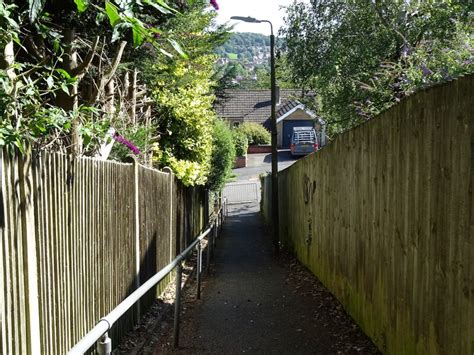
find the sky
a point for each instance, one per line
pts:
(260, 9)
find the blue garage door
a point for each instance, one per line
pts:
(288, 130)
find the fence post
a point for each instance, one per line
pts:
(170, 172)
(206, 207)
(199, 269)
(222, 214)
(209, 245)
(136, 205)
(104, 345)
(179, 272)
(26, 188)
(216, 230)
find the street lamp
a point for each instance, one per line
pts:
(275, 216)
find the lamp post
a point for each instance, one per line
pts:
(275, 216)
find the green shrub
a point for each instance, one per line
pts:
(223, 155)
(255, 132)
(241, 143)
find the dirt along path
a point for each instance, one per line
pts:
(254, 302)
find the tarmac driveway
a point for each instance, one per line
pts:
(261, 163)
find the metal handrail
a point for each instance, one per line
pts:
(100, 331)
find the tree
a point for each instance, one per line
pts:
(59, 69)
(183, 95)
(79, 69)
(223, 156)
(361, 57)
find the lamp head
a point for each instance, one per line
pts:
(245, 19)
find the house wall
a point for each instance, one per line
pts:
(233, 121)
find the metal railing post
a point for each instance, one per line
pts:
(104, 345)
(216, 229)
(222, 215)
(179, 273)
(208, 252)
(199, 269)
(99, 331)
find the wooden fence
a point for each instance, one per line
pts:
(77, 237)
(384, 216)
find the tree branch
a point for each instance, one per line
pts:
(104, 80)
(33, 69)
(386, 24)
(84, 66)
(33, 49)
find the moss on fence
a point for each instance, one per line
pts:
(383, 216)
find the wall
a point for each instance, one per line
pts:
(384, 216)
(259, 149)
(76, 238)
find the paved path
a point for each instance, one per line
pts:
(251, 303)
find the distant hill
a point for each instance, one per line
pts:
(247, 48)
(244, 60)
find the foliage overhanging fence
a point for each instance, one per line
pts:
(77, 237)
(384, 217)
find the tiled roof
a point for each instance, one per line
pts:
(288, 106)
(255, 105)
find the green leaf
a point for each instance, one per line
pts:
(177, 48)
(81, 5)
(112, 13)
(137, 37)
(119, 29)
(19, 145)
(163, 8)
(165, 5)
(35, 7)
(63, 73)
(65, 88)
(166, 53)
(56, 46)
(50, 82)
(99, 18)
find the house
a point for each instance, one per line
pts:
(240, 106)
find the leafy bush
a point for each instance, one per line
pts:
(183, 101)
(241, 143)
(256, 133)
(223, 155)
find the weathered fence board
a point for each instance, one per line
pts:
(77, 237)
(384, 216)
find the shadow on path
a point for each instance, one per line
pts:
(258, 303)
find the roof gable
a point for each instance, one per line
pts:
(255, 105)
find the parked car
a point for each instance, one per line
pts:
(303, 141)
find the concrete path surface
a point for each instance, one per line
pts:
(257, 303)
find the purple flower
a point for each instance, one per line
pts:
(426, 71)
(406, 50)
(129, 145)
(214, 4)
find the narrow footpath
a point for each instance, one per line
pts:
(254, 302)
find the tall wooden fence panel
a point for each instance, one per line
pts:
(155, 234)
(77, 237)
(384, 216)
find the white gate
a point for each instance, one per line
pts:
(242, 192)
